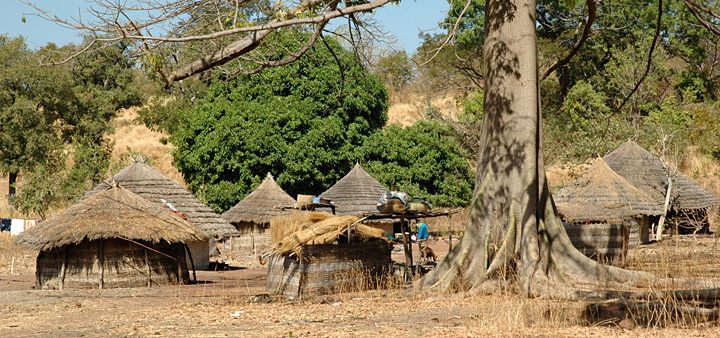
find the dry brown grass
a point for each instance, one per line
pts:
(358, 280)
(13, 257)
(391, 312)
(294, 221)
(409, 109)
(136, 137)
(456, 223)
(560, 175)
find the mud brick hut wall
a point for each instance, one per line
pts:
(599, 241)
(324, 268)
(111, 263)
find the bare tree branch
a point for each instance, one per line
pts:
(694, 6)
(658, 28)
(196, 20)
(592, 11)
(450, 36)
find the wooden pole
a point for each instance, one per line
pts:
(177, 261)
(62, 269)
(147, 263)
(102, 263)
(450, 230)
(661, 223)
(192, 263)
(406, 246)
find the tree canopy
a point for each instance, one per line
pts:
(308, 123)
(423, 160)
(300, 122)
(56, 119)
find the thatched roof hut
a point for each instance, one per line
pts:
(113, 238)
(356, 193)
(600, 194)
(649, 174)
(142, 179)
(599, 207)
(259, 206)
(689, 203)
(252, 216)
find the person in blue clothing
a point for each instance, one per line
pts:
(422, 232)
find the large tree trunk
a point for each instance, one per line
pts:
(514, 232)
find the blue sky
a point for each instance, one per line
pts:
(404, 20)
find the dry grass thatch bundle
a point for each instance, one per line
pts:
(318, 228)
(259, 206)
(288, 223)
(113, 213)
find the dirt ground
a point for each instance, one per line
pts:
(224, 304)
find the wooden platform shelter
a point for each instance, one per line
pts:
(357, 193)
(689, 203)
(251, 216)
(112, 239)
(603, 213)
(142, 179)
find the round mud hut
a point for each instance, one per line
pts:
(603, 213)
(112, 239)
(689, 203)
(357, 194)
(142, 179)
(252, 216)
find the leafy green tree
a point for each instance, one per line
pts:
(56, 119)
(301, 122)
(422, 160)
(584, 127)
(28, 135)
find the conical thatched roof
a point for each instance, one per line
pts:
(259, 205)
(600, 194)
(113, 213)
(356, 193)
(142, 179)
(648, 173)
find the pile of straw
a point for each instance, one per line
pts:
(284, 225)
(310, 228)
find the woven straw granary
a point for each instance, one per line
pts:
(251, 216)
(114, 238)
(319, 257)
(142, 179)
